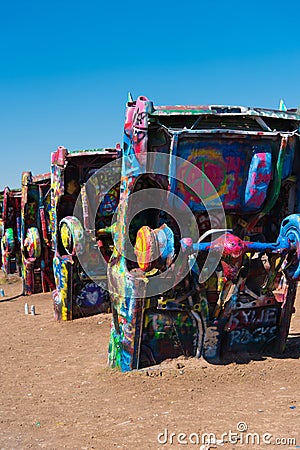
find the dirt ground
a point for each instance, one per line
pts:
(57, 392)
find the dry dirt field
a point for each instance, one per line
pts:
(57, 392)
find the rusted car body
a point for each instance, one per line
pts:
(205, 159)
(11, 231)
(36, 236)
(81, 282)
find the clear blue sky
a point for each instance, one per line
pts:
(67, 65)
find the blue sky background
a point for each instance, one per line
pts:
(66, 67)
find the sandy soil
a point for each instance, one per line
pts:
(57, 392)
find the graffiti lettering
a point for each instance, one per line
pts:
(243, 318)
(139, 118)
(245, 336)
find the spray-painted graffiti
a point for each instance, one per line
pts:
(225, 166)
(11, 231)
(245, 159)
(166, 334)
(252, 317)
(110, 202)
(37, 265)
(245, 337)
(76, 295)
(93, 295)
(252, 326)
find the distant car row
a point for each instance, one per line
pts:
(38, 228)
(190, 233)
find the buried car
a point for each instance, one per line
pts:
(207, 237)
(79, 271)
(1, 223)
(11, 231)
(36, 248)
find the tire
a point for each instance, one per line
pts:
(8, 241)
(72, 235)
(154, 248)
(33, 243)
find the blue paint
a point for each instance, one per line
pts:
(260, 174)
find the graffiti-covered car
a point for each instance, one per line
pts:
(1, 224)
(36, 245)
(79, 271)
(207, 235)
(11, 231)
